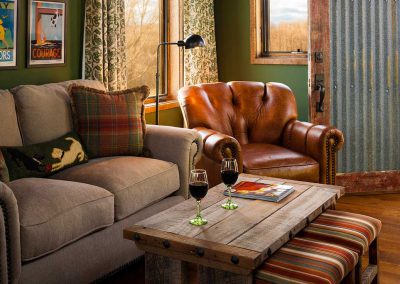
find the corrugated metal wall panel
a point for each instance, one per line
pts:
(365, 44)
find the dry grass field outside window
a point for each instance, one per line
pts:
(288, 28)
(142, 38)
(288, 36)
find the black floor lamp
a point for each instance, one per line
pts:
(190, 42)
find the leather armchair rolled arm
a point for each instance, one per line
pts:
(218, 146)
(10, 245)
(318, 141)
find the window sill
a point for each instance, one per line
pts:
(170, 104)
(281, 60)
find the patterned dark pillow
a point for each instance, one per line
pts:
(41, 160)
(110, 124)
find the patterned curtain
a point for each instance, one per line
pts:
(200, 63)
(105, 58)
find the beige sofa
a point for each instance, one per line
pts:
(68, 228)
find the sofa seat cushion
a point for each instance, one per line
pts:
(54, 213)
(136, 182)
(275, 161)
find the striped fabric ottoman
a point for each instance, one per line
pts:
(303, 260)
(353, 231)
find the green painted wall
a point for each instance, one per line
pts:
(232, 20)
(73, 68)
(171, 117)
(74, 37)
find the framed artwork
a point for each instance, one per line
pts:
(8, 33)
(46, 33)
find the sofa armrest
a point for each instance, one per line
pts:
(10, 246)
(217, 146)
(318, 141)
(180, 146)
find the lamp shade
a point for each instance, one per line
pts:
(193, 41)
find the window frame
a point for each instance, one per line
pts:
(259, 49)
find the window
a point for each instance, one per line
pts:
(279, 31)
(143, 34)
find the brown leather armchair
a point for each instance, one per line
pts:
(257, 124)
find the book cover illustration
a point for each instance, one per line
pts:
(261, 191)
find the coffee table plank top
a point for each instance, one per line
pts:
(250, 233)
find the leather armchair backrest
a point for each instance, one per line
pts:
(252, 112)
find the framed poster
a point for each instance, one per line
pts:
(8, 33)
(46, 33)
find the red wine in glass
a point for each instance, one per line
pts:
(198, 190)
(229, 175)
(198, 187)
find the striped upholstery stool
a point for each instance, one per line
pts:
(354, 231)
(350, 230)
(307, 261)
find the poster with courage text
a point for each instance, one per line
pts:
(46, 33)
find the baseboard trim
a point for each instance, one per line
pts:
(369, 182)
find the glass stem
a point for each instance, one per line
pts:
(229, 194)
(198, 209)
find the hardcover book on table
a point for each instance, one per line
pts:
(261, 191)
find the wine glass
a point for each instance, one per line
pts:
(229, 175)
(198, 187)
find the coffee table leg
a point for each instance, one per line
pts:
(211, 275)
(161, 269)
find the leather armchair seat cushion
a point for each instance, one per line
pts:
(136, 182)
(55, 213)
(275, 161)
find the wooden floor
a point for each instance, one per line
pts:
(385, 207)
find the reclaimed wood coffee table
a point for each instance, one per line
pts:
(233, 243)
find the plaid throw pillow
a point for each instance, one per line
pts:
(110, 124)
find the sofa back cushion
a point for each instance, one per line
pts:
(9, 130)
(44, 112)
